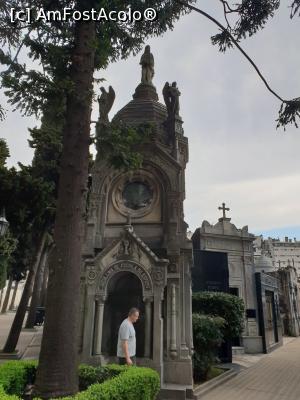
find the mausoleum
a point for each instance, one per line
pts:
(136, 248)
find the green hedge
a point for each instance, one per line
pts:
(133, 383)
(111, 382)
(224, 305)
(207, 336)
(14, 376)
(90, 375)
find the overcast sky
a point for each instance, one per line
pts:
(236, 154)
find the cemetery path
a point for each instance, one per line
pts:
(276, 377)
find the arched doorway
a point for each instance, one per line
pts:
(124, 291)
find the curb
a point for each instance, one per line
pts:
(204, 388)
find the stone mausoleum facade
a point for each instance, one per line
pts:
(237, 245)
(136, 250)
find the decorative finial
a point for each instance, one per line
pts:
(224, 209)
(147, 63)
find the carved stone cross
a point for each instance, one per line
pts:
(224, 209)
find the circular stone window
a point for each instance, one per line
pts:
(135, 194)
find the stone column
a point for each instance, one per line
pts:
(148, 326)
(88, 327)
(173, 342)
(157, 330)
(184, 310)
(99, 311)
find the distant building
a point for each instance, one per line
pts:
(282, 253)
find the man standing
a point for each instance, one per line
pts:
(126, 338)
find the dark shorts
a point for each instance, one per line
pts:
(122, 360)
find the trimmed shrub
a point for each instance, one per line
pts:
(134, 383)
(224, 305)
(14, 376)
(5, 396)
(89, 375)
(207, 335)
(111, 382)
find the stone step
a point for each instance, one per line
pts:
(238, 350)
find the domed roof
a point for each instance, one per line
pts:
(144, 107)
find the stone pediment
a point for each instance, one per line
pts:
(129, 247)
(225, 227)
(128, 254)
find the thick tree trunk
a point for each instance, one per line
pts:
(17, 324)
(43, 296)
(13, 299)
(36, 293)
(7, 294)
(57, 371)
(42, 302)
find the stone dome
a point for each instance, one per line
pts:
(144, 107)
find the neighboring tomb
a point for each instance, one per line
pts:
(270, 325)
(237, 245)
(136, 248)
(289, 299)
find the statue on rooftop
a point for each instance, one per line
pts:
(105, 101)
(147, 63)
(171, 97)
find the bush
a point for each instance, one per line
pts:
(111, 382)
(14, 376)
(133, 383)
(207, 334)
(5, 396)
(89, 375)
(224, 305)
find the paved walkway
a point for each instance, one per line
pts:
(275, 376)
(29, 341)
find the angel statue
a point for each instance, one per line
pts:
(171, 97)
(106, 101)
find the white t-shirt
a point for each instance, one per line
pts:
(126, 332)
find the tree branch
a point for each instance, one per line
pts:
(216, 22)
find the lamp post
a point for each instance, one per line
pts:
(3, 223)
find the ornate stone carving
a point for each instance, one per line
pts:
(91, 275)
(158, 276)
(120, 196)
(125, 248)
(172, 268)
(129, 267)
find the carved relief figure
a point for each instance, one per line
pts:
(147, 63)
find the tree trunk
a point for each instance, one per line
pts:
(17, 324)
(57, 374)
(12, 303)
(1, 295)
(36, 293)
(45, 278)
(7, 294)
